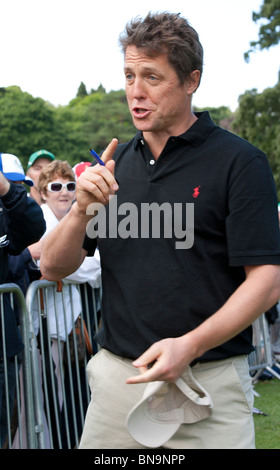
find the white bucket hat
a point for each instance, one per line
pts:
(165, 406)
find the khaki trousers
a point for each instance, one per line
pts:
(229, 427)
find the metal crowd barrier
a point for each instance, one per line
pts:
(60, 385)
(261, 358)
(52, 392)
(15, 377)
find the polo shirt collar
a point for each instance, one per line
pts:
(195, 135)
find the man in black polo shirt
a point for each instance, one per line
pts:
(185, 218)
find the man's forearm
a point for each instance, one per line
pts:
(171, 356)
(62, 252)
(255, 296)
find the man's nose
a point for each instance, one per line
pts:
(139, 89)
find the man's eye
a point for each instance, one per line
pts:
(153, 78)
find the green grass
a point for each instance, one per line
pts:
(268, 427)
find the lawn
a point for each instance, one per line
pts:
(268, 427)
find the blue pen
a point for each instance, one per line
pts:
(96, 157)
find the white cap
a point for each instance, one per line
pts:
(12, 169)
(165, 406)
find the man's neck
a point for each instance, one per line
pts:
(157, 140)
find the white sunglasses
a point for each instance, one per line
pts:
(57, 187)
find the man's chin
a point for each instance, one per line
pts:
(142, 126)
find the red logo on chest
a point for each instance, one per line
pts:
(196, 192)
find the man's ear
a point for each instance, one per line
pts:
(193, 81)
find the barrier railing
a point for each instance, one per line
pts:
(16, 384)
(57, 322)
(59, 358)
(261, 358)
(51, 391)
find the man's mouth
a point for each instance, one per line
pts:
(140, 112)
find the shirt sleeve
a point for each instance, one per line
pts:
(90, 245)
(23, 219)
(252, 224)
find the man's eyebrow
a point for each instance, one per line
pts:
(146, 68)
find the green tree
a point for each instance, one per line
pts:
(258, 115)
(221, 116)
(26, 123)
(100, 89)
(269, 32)
(258, 121)
(99, 117)
(82, 91)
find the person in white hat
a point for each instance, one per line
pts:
(185, 219)
(21, 224)
(12, 168)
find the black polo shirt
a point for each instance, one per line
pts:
(163, 275)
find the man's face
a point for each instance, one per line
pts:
(34, 171)
(157, 101)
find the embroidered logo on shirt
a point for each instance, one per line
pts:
(196, 192)
(3, 241)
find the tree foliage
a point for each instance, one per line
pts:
(258, 114)
(269, 31)
(258, 121)
(82, 91)
(28, 124)
(90, 120)
(219, 115)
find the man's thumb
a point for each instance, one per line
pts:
(111, 166)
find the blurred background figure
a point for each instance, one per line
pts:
(37, 161)
(80, 168)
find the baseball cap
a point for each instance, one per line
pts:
(39, 154)
(12, 168)
(165, 406)
(80, 167)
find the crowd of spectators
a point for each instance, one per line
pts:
(31, 204)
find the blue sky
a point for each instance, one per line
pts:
(49, 47)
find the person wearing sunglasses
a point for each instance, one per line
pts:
(57, 187)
